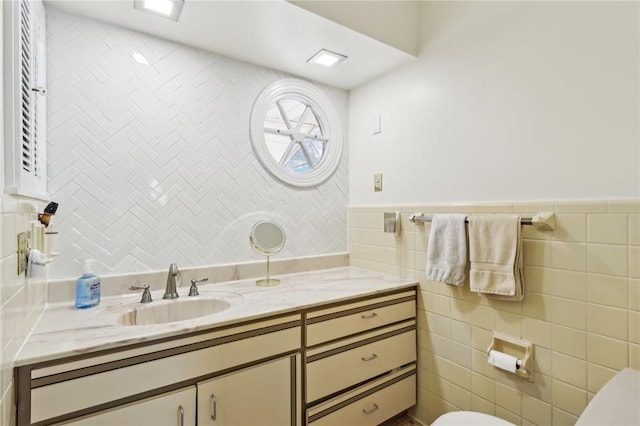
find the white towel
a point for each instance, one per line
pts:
(495, 254)
(447, 249)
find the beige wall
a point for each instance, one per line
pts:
(507, 101)
(581, 309)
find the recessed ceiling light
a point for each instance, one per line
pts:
(166, 8)
(326, 58)
(163, 7)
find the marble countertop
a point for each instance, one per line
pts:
(64, 331)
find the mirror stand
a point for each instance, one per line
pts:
(267, 281)
(267, 238)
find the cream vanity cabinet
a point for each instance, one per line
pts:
(360, 360)
(234, 399)
(248, 367)
(347, 363)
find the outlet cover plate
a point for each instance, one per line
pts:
(23, 251)
(377, 182)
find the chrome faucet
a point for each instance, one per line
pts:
(173, 282)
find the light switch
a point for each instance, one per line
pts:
(376, 126)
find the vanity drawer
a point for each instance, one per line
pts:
(338, 322)
(150, 372)
(339, 368)
(368, 405)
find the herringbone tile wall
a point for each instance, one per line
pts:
(152, 163)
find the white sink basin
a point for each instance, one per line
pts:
(166, 311)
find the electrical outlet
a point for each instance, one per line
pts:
(377, 182)
(23, 251)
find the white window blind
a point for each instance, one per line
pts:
(26, 122)
(26, 105)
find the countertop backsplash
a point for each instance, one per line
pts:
(63, 290)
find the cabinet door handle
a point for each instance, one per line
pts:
(371, 315)
(214, 407)
(369, 358)
(181, 412)
(371, 410)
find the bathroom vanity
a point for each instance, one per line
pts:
(323, 348)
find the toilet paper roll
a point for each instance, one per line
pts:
(503, 361)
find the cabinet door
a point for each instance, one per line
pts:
(261, 395)
(171, 409)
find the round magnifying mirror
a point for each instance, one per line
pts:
(267, 238)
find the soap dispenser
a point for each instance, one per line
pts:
(87, 287)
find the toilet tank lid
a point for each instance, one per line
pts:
(617, 403)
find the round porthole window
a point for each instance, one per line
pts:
(295, 132)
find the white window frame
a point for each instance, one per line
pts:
(25, 140)
(326, 116)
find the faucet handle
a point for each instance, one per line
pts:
(146, 294)
(193, 291)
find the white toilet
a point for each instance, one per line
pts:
(469, 418)
(615, 404)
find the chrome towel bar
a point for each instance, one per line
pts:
(422, 218)
(543, 221)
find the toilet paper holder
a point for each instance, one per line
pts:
(514, 347)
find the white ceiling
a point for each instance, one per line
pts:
(275, 34)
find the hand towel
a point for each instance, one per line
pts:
(447, 249)
(495, 254)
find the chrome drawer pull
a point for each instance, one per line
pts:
(374, 409)
(181, 411)
(371, 315)
(369, 358)
(214, 408)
